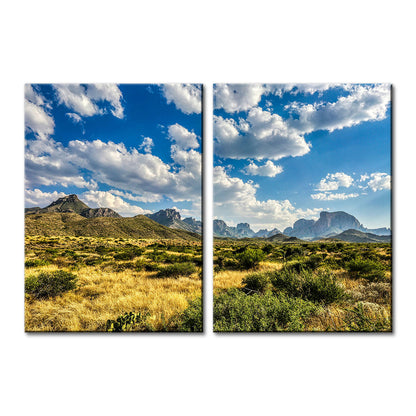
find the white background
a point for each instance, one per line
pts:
(211, 41)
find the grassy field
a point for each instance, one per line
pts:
(114, 284)
(319, 286)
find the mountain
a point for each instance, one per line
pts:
(195, 224)
(328, 224)
(356, 236)
(172, 219)
(264, 233)
(71, 203)
(242, 230)
(68, 216)
(73, 224)
(379, 231)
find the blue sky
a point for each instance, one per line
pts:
(135, 148)
(285, 151)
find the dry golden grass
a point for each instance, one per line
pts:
(103, 295)
(106, 295)
(226, 279)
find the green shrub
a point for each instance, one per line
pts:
(191, 319)
(258, 282)
(129, 322)
(319, 287)
(236, 311)
(368, 269)
(50, 284)
(250, 258)
(177, 270)
(36, 262)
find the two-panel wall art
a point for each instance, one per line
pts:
(301, 208)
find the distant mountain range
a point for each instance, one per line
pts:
(329, 224)
(172, 219)
(242, 230)
(68, 216)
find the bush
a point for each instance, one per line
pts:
(129, 322)
(50, 284)
(177, 270)
(367, 269)
(191, 319)
(258, 282)
(128, 254)
(320, 287)
(236, 311)
(36, 262)
(251, 257)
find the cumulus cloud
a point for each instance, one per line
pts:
(147, 145)
(37, 118)
(186, 97)
(84, 100)
(97, 199)
(331, 197)
(109, 93)
(364, 103)
(37, 198)
(236, 201)
(238, 97)
(262, 135)
(333, 181)
(145, 197)
(183, 137)
(47, 162)
(379, 181)
(268, 169)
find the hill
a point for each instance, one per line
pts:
(72, 224)
(71, 203)
(356, 236)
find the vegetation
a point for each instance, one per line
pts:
(109, 284)
(302, 286)
(46, 285)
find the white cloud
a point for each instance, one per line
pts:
(364, 103)
(364, 177)
(41, 199)
(37, 118)
(268, 169)
(183, 137)
(103, 199)
(333, 181)
(84, 100)
(235, 201)
(379, 181)
(238, 97)
(186, 97)
(331, 197)
(147, 145)
(110, 93)
(264, 136)
(74, 117)
(48, 163)
(145, 197)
